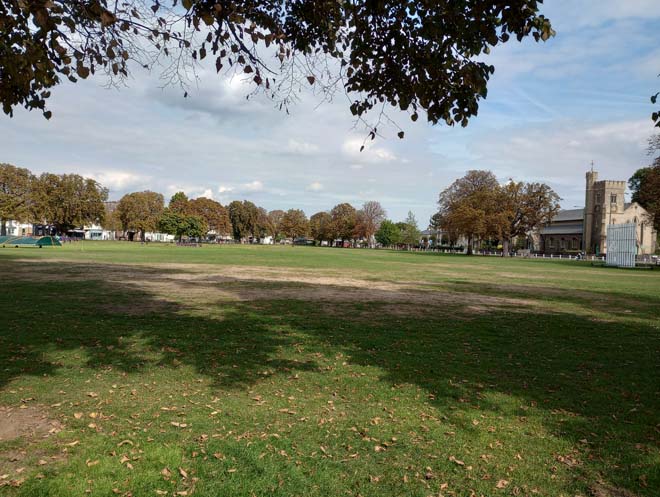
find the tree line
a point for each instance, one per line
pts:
(69, 201)
(245, 221)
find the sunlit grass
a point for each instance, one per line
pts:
(335, 372)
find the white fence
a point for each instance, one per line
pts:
(621, 245)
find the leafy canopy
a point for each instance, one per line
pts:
(212, 213)
(16, 184)
(140, 211)
(645, 184)
(294, 224)
(320, 226)
(180, 225)
(418, 56)
(68, 201)
(388, 234)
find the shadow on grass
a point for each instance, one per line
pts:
(597, 380)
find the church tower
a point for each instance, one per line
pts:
(589, 206)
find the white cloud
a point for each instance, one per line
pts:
(301, 148)
(225, 189)
(118, 180)
(253, 186)
(371, 153)
(315, 187)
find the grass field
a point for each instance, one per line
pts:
(293, 371)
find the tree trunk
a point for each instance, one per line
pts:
(505, 247)
(469, 247)
(142, 235)
(3, 228)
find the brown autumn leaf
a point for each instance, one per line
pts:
(501, 484)
(77, 415)
(166, 472)
(183, 473)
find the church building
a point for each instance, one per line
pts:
(586, 229)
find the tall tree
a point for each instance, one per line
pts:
(68, 201)
(16, 185)
(180, 225)
(320, 227)
(214, 215)
(294, 224)
(645, 184)
(524, 207)
(410, 233)
(262, 224)
(469, 206)
(368, 221)
(421, 56)
(244, 219)
(344, 217)
(140, 211)
(179, 203)
(388, 234)
(274, 223)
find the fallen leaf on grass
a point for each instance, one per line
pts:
(501, 484)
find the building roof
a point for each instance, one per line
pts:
(564, 229)
(569, 215)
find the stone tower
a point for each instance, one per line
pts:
(587, 243)
(603, 201)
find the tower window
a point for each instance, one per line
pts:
(613, 198)
(598, 198)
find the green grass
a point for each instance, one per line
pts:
(296, 371)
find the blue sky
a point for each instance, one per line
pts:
(552, 108)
